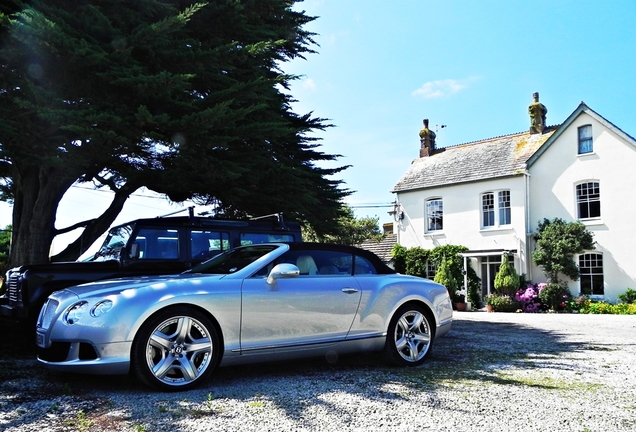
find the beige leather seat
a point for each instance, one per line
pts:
(306, 265)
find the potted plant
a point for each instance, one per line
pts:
(459, 300)
(501, 303)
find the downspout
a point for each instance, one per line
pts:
(466, 283)
(526, 176)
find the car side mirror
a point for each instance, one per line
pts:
(282, 271)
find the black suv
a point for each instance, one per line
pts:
(139, 248)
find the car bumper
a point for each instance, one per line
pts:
(443, 328)
(84, 357)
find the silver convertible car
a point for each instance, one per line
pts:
(254, 303)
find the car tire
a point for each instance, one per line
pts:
(409, 336)
(175, 349)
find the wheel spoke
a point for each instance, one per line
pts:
(183, 329)
(199, 346)
(189, 370)
(417, 322)
(403, 323)
(162, 367)
(414, 351)
(160, 341)
(401, 343)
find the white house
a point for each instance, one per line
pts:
(490, 196)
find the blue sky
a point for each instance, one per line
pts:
(383, 66)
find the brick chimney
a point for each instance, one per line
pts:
(537, 113)
(427, 141)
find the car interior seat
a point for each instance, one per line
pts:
(306, 265)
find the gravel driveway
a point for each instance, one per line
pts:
(493, 372)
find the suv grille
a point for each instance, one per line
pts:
(14, 286)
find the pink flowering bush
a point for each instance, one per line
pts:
(529, 297)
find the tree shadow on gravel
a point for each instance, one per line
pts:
(471, 351)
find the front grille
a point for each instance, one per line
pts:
(13, 286)
(47, 314)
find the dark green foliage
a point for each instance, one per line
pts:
(502, 303)
(628, 296)
(414, 262)
(347, 229)
(184, 98)
(444, 276)
(5, 243)
(557, 242)
(555, 296)
(506, 279)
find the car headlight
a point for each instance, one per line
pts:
(101, 308)
(75, 312)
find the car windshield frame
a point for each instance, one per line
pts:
(233, 260)
(114, 242)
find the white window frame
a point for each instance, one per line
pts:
(591, 273)
(498, 214)
(585, 140)
(434, 210)
(588, 200)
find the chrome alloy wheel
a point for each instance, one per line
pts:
(179, 350)
(412, 336)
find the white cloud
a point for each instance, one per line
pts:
(440, 88)
(309, 84)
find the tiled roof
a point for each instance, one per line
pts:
(382, 248)
(479, 160)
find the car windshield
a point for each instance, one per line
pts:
(233, 261)
(115, 241)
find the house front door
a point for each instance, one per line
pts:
(489, 268)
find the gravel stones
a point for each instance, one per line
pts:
(493, 372)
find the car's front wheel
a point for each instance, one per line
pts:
(175, 349)
(410, 336)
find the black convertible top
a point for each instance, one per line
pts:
(380, 266)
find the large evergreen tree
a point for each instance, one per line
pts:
(187, 99)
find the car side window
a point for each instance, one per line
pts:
(157, 244)
(363, 266)
(206, 244)
(319, 262)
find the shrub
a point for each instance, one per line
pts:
(602, 307)
(506, 279)
(445, 277)
(628, 296)
(528, 298)
(502, 303)
(578, 304)
(554, 296)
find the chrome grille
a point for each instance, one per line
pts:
(13, 286)
(47, 314)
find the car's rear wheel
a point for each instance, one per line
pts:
(175, 349)
(409, 336)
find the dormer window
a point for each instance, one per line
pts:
(585, 139)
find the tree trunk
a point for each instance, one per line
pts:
(38, 191)
(96, 227)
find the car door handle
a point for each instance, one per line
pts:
(349, 290)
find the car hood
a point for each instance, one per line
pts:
(117, 286)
